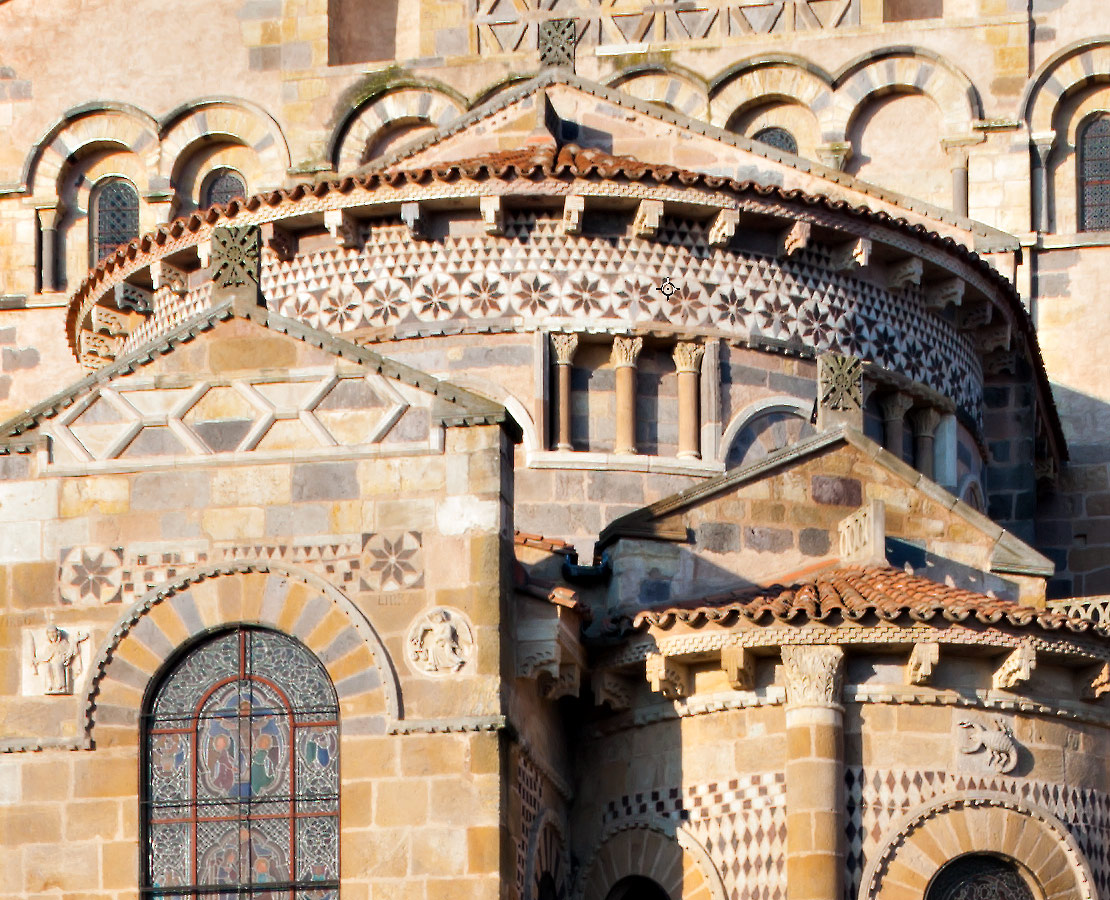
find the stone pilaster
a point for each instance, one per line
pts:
(924, 423)
(687, 363)
(563, 347)
(814, 772)
(626, 350)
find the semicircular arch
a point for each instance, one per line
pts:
(782, 406)
(228, 120)
(254, 592)
(118, 125)
(902, 70)
(373, 119)
(656, 84)
(767, 82)
(1078, 65)
(655, 849)
(933, 834)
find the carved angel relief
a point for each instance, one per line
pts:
(441, 642)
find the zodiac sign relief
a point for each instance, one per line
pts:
(58, 658)
(1002, 749)
(441, 642)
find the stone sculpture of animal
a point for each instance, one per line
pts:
(998, 742)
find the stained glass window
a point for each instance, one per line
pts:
(1094, 178)
(979, 877)
(779, 138)
(115, 218)
(225, 186)
(242, 774)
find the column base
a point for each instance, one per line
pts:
(688, 454)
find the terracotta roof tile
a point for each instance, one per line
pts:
(552, 592)
(852, 595)
(553, 545)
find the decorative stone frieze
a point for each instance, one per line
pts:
(997, 740)
(923, 659)
(649, 215)
(1016, 669)
(667, 676)
(612, 688)
(738, 663)
(440, 642)
(863, 536)
(723, 228)
(110, 322)
(813, 674)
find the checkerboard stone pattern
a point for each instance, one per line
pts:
(741, 823)
(876, 799)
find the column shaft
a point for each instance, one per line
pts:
(625, 352)
(563, 346)
(687, 360)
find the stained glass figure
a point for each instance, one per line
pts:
(1094, 177)
(778, 138)
(226, 186)
(242, 773)
(979, 876)
(115, 218)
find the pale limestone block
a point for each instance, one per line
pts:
(233, 524)
(458, 515)
(10, 791)
(20, 542)
(24, 501)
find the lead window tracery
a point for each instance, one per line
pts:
(242, 774)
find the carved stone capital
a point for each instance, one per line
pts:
(1016, 669)
(667, 676)
(49, 217)
(814, 674)
(834, 154)
(925, 421)
(894, 406)
(723, 228)
(563, 345)
(648, 216)
(923, 659)
(739, 666)
(626, 350)
(687, 356)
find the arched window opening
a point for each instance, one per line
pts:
(778, 138)
(114, 219)
(978, 876)
(1094, 177)
(241, 773)
(767, 433)
(548, 890)
(637, 887)
(222, 187)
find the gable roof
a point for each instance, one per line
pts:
(1009, 554)
(852, 594)
(987, 239)
(454, 406)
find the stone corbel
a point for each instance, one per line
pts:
(548, 647)
(1016, 669)
(834, 154)
(573, 208)
(923, 659)
(280, 241)
(667, 676)
(852, 254)
(795, 239)
(95, 349)
(344, 228)
(493, 213)
(1094, 681)
(938, 294)
(649, 214)
(131, 296)
(612, 688)
(171, 278)
(723, 228)
(414, 219)
(974, 314)
(1000, 362)
(996, 337)
(904, 272)
(739, 666)
(107, 321)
